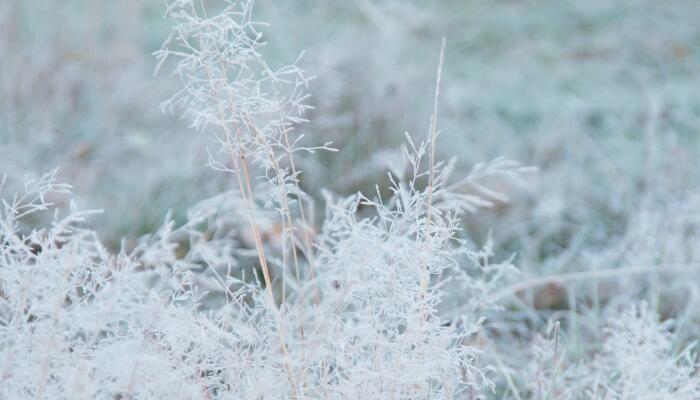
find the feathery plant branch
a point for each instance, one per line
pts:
(224, 79)
(432, 135)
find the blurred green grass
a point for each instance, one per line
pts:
(566, 86)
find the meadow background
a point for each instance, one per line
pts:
(602, 97)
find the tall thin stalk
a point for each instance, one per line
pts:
(432, 138)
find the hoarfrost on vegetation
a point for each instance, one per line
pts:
(247, 296)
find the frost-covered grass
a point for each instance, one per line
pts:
(324, 254)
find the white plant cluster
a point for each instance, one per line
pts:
(372, 327)
(228, 85)
(388, 299)
(171, 320)
(78, 322)
(386, 274)
(638, 360)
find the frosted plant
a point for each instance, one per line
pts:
(388, 271)
(252, 108)
(176, 317)
(639, 357)
(75, 321)
(375, 327)
(638, 360)
(228, 85)
(547, 372)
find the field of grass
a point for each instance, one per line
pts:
(372, 199)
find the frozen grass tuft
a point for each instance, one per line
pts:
(246, 296)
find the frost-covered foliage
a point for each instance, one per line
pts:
(638, 360)
(79, 322)
(639, 357)
(374, 285)
(161, 322)
(388, 272)
(402, 290)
